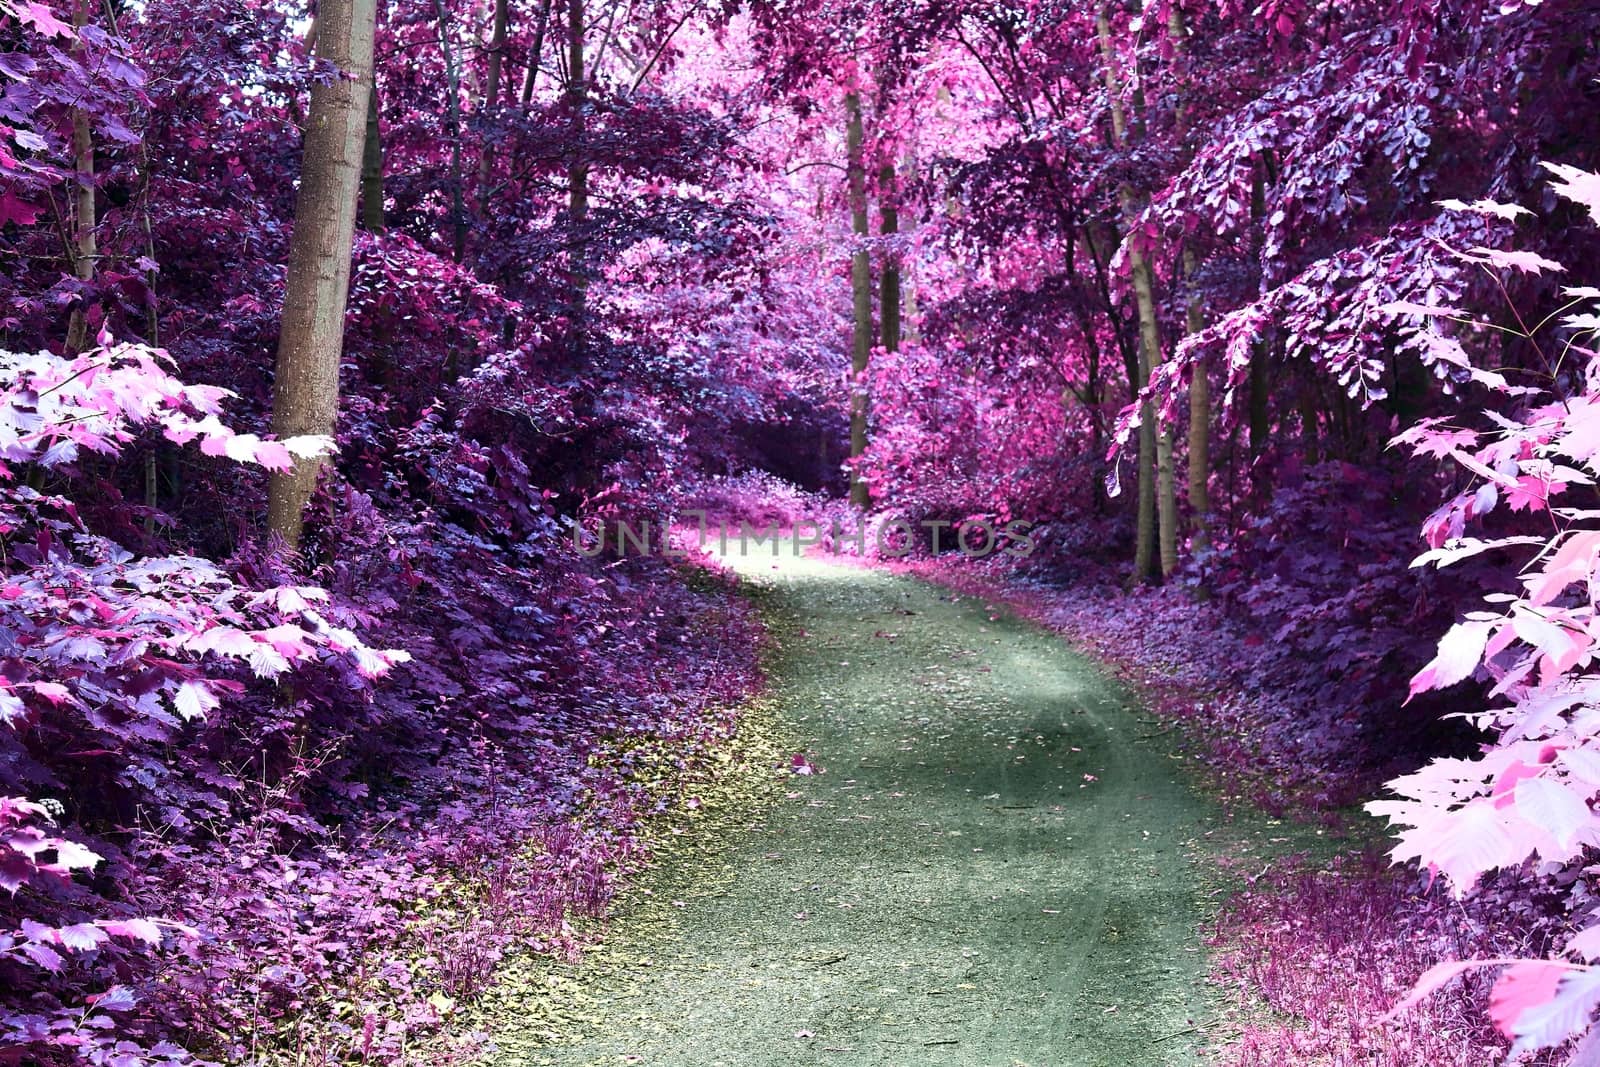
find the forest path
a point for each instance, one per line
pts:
(992, 870)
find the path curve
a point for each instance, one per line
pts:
(994, 870)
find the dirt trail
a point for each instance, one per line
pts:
(991, 871)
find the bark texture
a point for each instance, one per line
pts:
(305, 396)
(1158, 497)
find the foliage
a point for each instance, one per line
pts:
(1525, 798)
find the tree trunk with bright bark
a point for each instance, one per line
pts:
(860, 291)
(1158, 497)
(306, 388)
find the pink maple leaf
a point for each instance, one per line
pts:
(44, 20)
(1526, 262)
(1532, 494)
(1523, 986)
(1579, 186)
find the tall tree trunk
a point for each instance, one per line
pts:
(1194, 315)
(577, 177)
(535, 53)
(452, 86)
(1199, 419)
(152, 310)
(305, 396)
(889, 285)
(860, 292)
(1158, 498)
(491, 92)
(84, 245)
(372, 168)
(1260, 350)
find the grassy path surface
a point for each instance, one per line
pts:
(993, 869)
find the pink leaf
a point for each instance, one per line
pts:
(1523, 986)
(117, 998)
(1585, 944)
(71, 856)
(134, 930)
(193, 700)
(84, 937)
(1564, 1016)
(1554, 808)
(273, 456)
(1509, 212)
(1532, 494)
(1505, 786)
(1459, 652)
(43, 955)
(15, 209)
(1484, 470)
(1436, 978)
(1572, 562)
(44, 20)
(1526, 262)
(1579, 186)
(54, 692)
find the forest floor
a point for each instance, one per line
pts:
(995, 863)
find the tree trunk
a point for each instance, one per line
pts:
(1194, 314)
(452, 86)
(577, 177)
(1260, 350)
(152, 333)
(491, 93)
(535, 53)
(1100, 241)
(372, 169)
(889, 285)
(1166, 491)
(152, 310)
(84, 245)
(1158, 498)
(306, 388)
(578, 97)
(1199, 420)
(860, 291)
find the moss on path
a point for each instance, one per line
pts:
(992, 870)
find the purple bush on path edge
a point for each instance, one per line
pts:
(231, 904)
